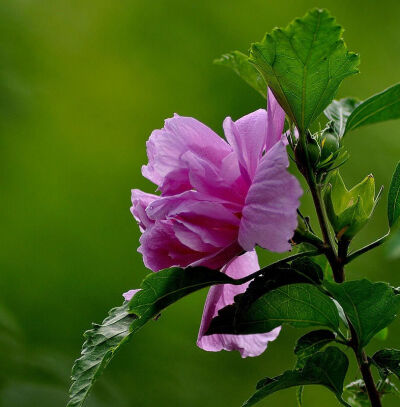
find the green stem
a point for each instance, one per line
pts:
(337, 261)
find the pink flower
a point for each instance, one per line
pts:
(218, 199)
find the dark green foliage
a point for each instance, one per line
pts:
(394, 197)
(327, 368)
(338, 112)
(304, 65)
(158, 290)
(388, 362)
(370, 307)
(378, 108)
(240, 64)
(311, 343)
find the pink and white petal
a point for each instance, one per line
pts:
(269, 217)
(275, 120)
(247, 136)
(140, 201)
(223, 295)
(161, 249)
(129, 294)
(166, 146)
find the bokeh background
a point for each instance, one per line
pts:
(82, 85)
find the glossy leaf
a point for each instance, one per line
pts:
(370, 307)
(388, 362)
(304, 64)
(327, 368)
(240, 64)
(378, 108)
(158, 290)
(311, 343)
(394, 197)
(298, 305)
(338, 112)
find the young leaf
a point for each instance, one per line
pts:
(311, 343)
(240, 64)
(304, 65)
(158, 290)
(299, 305)
(388, 362)
(327, 368)
(370, 307)
(394, 197)
(377, 108)
(338, 112)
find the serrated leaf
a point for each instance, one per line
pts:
(378, 108)
(158, 290)
(298, 305)
(388, 362)
(370, 307)
(338, 112)
(311, 343)
(394, 197)
(240, 64)
(304, 64)
(327, 368)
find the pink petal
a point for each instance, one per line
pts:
(166, 146)
(161, 248)
(212, 221)
(140, 201)
(276, 121)
(223, 295)
(129, 294)
(269, 216)
(247, 136)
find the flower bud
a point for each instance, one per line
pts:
(348, 211)
(329, 144)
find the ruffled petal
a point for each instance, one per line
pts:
(162, 249)
(247, 136)
(276, 121)
(223, 295)
(269, 216)
(140, 201)
(166, 147)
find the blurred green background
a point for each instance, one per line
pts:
(82, 85)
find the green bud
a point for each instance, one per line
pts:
(329, 144)
(314, 151)
(348, 211)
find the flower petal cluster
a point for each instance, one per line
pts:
(218, 199)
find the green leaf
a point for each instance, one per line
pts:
(327, 368)
(388, 362)
(394, 197)
(240, 64)
(377, 108)
(358, 395)
(311, 343)
(298, 305)
(338, 112)
(370, 307)
(158, 290)
(304, 64)
(393, 245)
